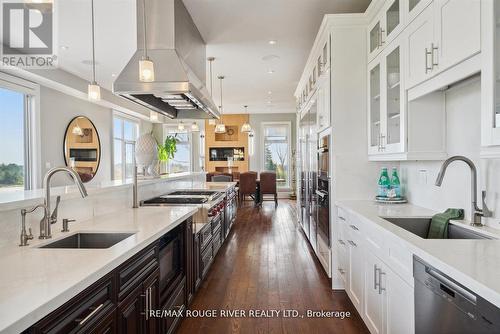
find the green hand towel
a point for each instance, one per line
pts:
(439, 223)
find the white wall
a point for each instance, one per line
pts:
(57, 110)
(463, 135)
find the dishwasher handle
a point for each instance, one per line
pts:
(450, 285)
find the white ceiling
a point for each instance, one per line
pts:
(236, 32)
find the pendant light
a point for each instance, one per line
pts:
(146, 65)
(220, 127)
(246, 128)
(94, 90)
(195, 127)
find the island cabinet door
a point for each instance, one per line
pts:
(151, 293)
(131, 312)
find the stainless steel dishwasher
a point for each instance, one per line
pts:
(443, 305)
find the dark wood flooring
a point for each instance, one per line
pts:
(267, 264)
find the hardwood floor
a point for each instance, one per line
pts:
(267, 264)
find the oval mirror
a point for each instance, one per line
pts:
(82, 147)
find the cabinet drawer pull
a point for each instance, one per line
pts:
(375, 274)
(427, 54)
(354, 227)
(352, 243)
(380, 288)
(91, 314)
(435, 61)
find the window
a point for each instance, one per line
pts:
(125, 133)
(276, 137)
(16, 99)
(182, 158)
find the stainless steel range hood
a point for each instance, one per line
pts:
(179, 54)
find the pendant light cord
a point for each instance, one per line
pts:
(221, 95)
(93, 44)
(144, 28)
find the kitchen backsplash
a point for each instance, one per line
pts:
(463, 113)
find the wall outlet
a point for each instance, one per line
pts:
(422, 177)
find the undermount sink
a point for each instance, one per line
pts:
(420, 227)
(89, 240)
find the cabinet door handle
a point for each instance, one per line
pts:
(341, 242)
(382, 142)
(150, 298)
(382, 31)
(352, 243)
(354, 227)
(427, 54)
(342, 218)
(341, 271)
(380, 288)
(91, 314)
(435, 60)
(375, 274)
(147, 303)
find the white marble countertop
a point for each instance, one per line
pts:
(35, 281)
(473, 263)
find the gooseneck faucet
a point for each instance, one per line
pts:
(45, 230)
(476, 212)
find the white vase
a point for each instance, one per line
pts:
(146, 152)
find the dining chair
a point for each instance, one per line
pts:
(268, 186)
(248, 185)
(222, 178)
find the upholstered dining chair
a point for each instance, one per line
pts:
(222, 178)
(268, 186)
(248, 185)
(210, 175)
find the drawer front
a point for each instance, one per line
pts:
(134, 271)
(217, 223)
(205, 236)
(83, 313)
(176, 303)
(206, 260)
(216, 242)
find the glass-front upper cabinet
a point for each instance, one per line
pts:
(393, 101)
(374, 137)
(415, 7)
(490, 78)
(385, 27)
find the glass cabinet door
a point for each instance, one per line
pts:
(392, 17)
(393, 97)
(496, 52)
(412, 4)
(375, 123)
(375, 37)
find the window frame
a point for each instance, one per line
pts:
(31, 125)
(166, 132)
(123, 118)
(288, 125)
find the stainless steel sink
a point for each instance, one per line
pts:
(420, 227)
(89, 240)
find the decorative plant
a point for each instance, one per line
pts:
(168, 149)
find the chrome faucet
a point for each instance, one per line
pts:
(476, 212)
(45, 230)
(25, 236)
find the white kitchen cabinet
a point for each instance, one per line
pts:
(386, 102)
(385, 27)
(420, 38)
(355, 274)
(323, 97)
(373, 303)
(388, 299)
(490, 79)
(457, 31)
(415, 7)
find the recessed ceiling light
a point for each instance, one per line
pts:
(270, 71)
(64, 47)
(273, 42)
(113, 75)
(269, 102)
(269, 92)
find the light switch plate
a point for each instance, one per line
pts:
(422, 177)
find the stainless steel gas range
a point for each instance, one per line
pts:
(210, 204)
